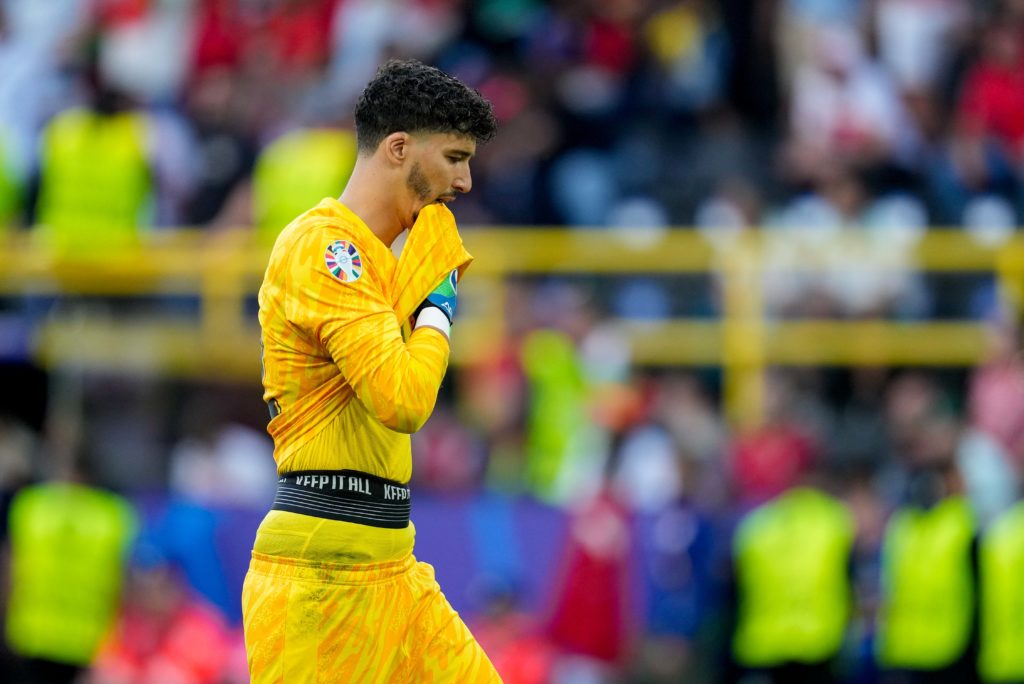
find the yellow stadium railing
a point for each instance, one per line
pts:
(223, 271)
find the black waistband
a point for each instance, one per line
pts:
(347, 495)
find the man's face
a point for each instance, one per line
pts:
(439, 168)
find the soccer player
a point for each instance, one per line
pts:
(355, 345)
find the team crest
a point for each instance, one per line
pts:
(343, 261)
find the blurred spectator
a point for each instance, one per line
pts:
(683, 406)
(864, 500)
(34, 42)
(770, 458)
(219, 463)
(1001, 562)
(560, 461)
(296, 171)
(838, 224)
(858, 438)
(21, 418)
(512, 167)
(583, 187)
(918, 42)
(145, 47)
(96, 186)
(163, 633)
(678, 555)
(513, 639)
(732, 208)
(996, 391)
(648, 476)
(990, 481)
(792, 558)
(69, 543)
(992, 91)
(927, 617)
(578, 391)
(294, 38)
(845, 108)
(365, 32)
(690, 49)
(18, 445)
(219, 38)
(591, 622)
(194, 536)
(979, 154)
(216, 104)
(966, 167)
(798, 30)
(491, 401)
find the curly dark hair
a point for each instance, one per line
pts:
(407, 95)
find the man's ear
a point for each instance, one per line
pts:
(396, 147)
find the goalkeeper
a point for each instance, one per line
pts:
(355, 345)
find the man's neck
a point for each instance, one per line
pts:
(368, 196)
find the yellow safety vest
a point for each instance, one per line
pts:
(924, 622)
(1001, 571)
(95, 181)
(792, 571)
(10, 195)
(298, 170)
(68, 545)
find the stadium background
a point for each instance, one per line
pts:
(719, 245)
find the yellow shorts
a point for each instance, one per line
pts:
(309, 621)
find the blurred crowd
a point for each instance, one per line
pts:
(865, 531)
(594, 521)
(859, 533)
(886, 116)
(813, 114)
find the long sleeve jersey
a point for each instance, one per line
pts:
(346, 377)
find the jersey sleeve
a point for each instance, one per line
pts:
(346, 309)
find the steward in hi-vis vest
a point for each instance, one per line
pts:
(296, 171)
(95, 182)
(1001, 580)
(927, 615)
(69, 543)
(792, 558)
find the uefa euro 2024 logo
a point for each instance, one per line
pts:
(343, 261)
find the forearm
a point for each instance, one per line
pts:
(397, 380)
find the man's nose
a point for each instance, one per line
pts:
(463, 182)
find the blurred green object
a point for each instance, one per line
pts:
(792, 558)
(565, 449)
(69, 544)
(926, 615)
(10, 193)
(296, 171)
(95, 184)
(1001, 567)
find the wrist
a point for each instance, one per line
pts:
(433, 317)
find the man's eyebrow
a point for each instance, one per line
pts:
(461, 154)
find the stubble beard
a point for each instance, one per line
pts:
(418, 183)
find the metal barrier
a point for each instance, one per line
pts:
(223, 270)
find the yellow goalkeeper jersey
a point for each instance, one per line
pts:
(345, 376)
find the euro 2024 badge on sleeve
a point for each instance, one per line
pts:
(343, 261)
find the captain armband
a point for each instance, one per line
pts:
(432, 317)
